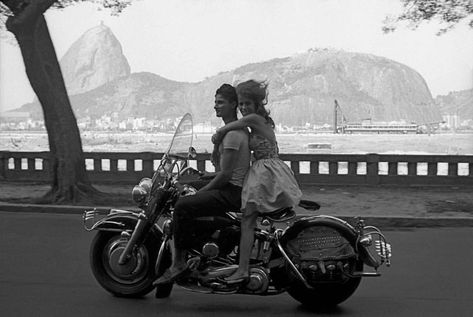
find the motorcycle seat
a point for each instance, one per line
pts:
(279, 215)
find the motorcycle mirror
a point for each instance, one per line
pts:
(192, 153)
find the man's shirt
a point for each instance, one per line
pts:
(237, 140)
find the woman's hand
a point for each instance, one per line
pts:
(218, 137)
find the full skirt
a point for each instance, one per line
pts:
(269, 185)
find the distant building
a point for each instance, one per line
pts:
(204, 127)
(452, 121)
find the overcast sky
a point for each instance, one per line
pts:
(188, 40)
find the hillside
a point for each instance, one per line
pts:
(457, 102)
(302, 87)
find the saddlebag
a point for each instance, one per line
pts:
(319, 243)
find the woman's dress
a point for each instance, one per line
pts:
(269, 184)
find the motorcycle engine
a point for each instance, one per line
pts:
(227, 239)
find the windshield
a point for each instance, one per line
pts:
(182, 140)
(179, 146)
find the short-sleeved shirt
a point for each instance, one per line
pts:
(237, 140)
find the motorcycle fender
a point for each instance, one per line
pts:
(123, 221)
(345, 229)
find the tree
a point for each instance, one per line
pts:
(448, 12)
(25, 19)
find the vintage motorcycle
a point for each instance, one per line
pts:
(318, 260)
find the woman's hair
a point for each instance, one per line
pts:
(228, 92)
(256, 91)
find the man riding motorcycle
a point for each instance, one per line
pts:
(221, 194)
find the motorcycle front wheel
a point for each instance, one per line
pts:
(132, 279)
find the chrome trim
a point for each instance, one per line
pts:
(363, 274)
(309, 218)
(124, 212)
(91, 216)
(382, 247)
(160, 254)
(100, 222)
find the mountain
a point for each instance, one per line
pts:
(94, 59)
(457, 102)
(302, 88)
(138, 95)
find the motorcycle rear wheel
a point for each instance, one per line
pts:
(135, 278)
(324, 295)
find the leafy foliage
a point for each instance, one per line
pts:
(115, 6)
(448, 12)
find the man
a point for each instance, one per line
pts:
(222, 193)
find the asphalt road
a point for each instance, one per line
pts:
(44, 271)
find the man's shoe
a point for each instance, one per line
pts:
(169, 277)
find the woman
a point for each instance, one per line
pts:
(270, 183)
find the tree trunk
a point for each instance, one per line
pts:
(70, 182)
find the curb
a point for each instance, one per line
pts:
(379, 221)
(55, 209)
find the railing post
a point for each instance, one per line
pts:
(3, 165)
(130, 165)
(314, 167)
(372, 166)
(352, 168)
(17, 162)
(453, 169)
(114, 166)
(295, 167)
(392, 168)
(332, 168)
(97, 165)
(201, 165)
(148, 166)
(31, 164)
(412, 168)
(432, 168)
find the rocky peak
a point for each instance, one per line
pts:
(94, 59)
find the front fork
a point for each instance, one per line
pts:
(135, 239)
(162, 249)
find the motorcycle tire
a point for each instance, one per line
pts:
(135, 278)
(324, 295)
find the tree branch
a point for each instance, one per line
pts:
(26, 13)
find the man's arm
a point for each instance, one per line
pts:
(228, 161)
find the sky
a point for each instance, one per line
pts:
(189, 40)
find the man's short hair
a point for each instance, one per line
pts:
(228, 92)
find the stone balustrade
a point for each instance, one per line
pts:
(339, 169)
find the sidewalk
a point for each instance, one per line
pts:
(385, 205)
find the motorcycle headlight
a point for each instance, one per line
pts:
(139, 194)
(146, 183)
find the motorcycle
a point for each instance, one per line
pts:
(318, 260)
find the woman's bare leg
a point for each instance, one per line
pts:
(248, 224)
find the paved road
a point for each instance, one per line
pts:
(44, 271)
